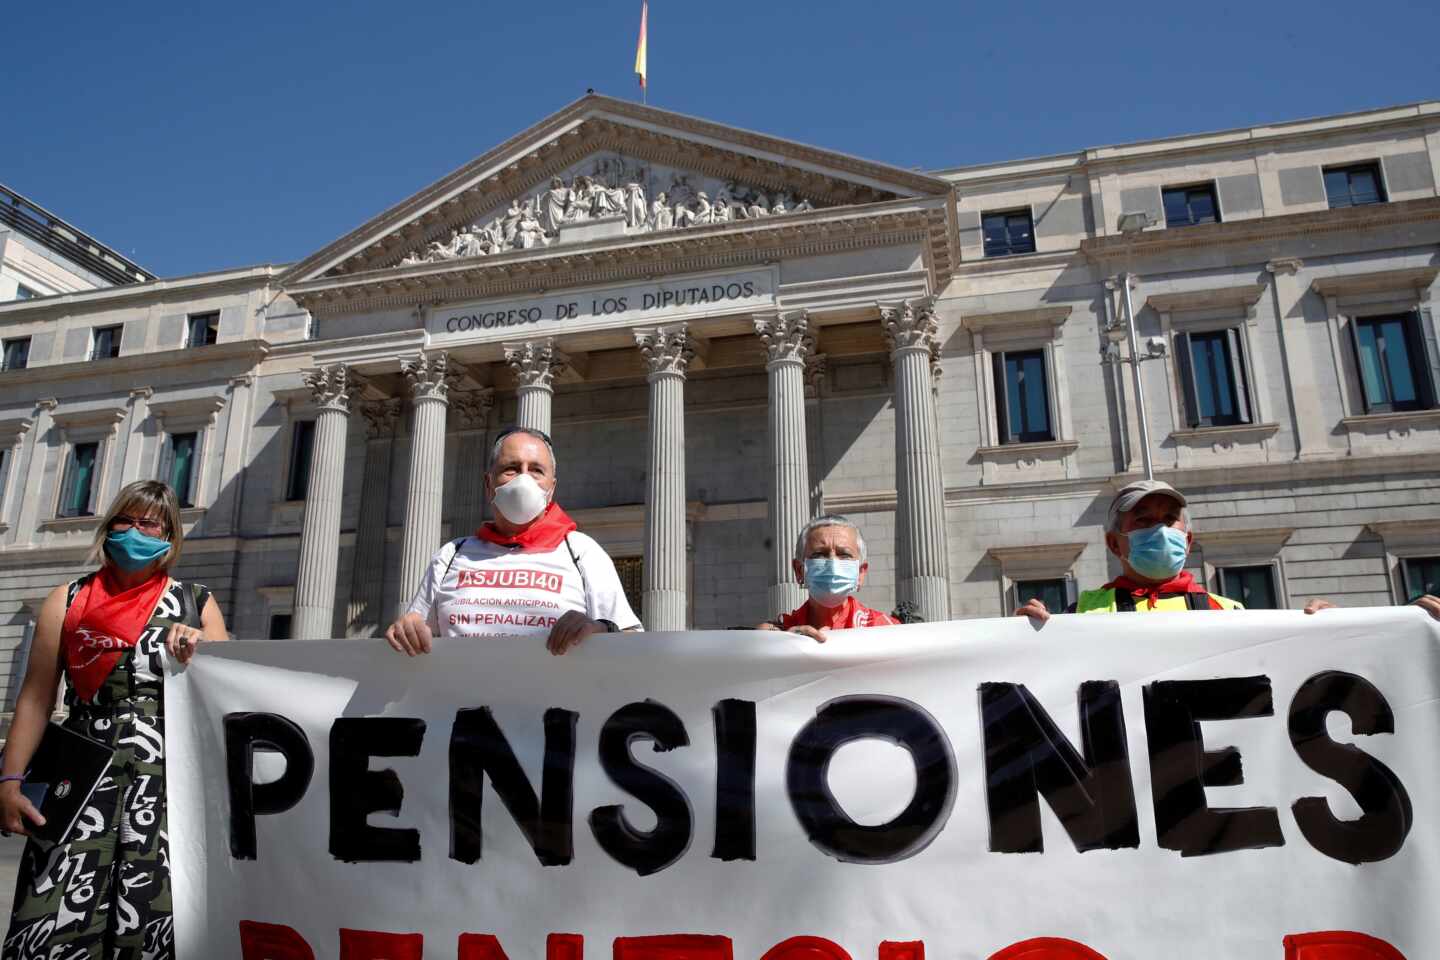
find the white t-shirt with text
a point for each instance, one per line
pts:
(483, 589)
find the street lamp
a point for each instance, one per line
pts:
(1131, 224)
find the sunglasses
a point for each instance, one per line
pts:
(144, 524)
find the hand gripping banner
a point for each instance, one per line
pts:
(1253, 786)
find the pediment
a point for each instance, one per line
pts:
(604, 168)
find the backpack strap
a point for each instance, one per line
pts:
(456, 544)
(1199, 601)
(584, 580)
(1124, 601)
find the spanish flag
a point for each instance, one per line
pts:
(640, 47)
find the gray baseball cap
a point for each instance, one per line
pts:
(1133, 493)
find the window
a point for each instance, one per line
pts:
(107, 343)
(631, 571)
(1212, 374)
(1252, 586)
(1354, 186)
(1188, 206)
(77, 491)
(204, 329)
(1022, 397)
(302, 445)
(1422, 576)
(1055, 594)
(280, 626)
(1008, 233)
(17, 353)
(177, 465)
(23, 292)
(1390, 354)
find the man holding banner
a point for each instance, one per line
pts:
(527, 572)
(830, 563)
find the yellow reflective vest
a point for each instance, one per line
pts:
(1111, 600)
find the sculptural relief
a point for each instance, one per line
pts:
(649, 197)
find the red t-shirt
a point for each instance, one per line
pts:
(851, 613)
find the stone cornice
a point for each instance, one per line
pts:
(595, 123)
(694, 250)
(1375, 281)
(111, 298)
(1214, 298)
(251, 352)
(1262, 229)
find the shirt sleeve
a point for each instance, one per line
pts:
(424, 601)
(606, 599)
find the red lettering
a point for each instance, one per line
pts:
(674, 946)
(485, 946)
(515, 579)
(806, 948)
(1338, 945)
(1047, 948)
(272, 941)
(902, 950)
(375, 945)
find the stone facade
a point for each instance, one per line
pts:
(671, 362)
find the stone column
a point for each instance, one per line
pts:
(334, 387)
(367, 612)
(430, 377)
(471, 410)
(536, 363)
(923, 571)
(1301, 370)
(667, 351)
(40, 441)
(787, 344)
(816, 374)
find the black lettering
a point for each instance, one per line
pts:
(648, 301)
(1181, 768)
(1386, 815)
(734, 780)
(450, 324)
(478, 749)
(1026, 756)
(732, 292)
(898, 721)
(245, 733)
(621, 305)
(749, 288)
(645, 852)
(356, 791)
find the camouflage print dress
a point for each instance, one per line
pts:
(106, 893)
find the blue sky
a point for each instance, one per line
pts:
(200, 136)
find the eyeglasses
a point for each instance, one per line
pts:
(144, 524)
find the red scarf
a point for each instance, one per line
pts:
(1181, 583)
(852, 613)
(103, 622)
(545, 532)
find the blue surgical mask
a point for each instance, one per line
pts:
(131, 550)
(830, 579)
(1158, 552)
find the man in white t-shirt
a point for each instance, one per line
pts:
(527, 572)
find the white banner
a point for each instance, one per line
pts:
(1237, 779)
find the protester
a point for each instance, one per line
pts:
(830, 563)
(1148, 530)
(107, 892)
(527, 572)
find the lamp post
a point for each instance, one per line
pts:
(1131, 224)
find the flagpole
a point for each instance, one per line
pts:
(642, 51)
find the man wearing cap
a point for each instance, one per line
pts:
(1148, 529)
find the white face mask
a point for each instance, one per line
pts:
(521, 500)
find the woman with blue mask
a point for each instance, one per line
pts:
(830, 564)
(108, 633)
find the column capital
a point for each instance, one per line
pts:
(909, 326)
(141, 393)
(1113, 283)
(334, 386)
(787, 336)
(472, 407)
(242, 382)
(536, 362)
(817, 369)
(430, 375)
(47, 404)
(1286, 265)
(667, 350)
(382, 417)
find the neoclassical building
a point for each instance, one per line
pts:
(726, 333)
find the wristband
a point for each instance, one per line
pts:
(13, 776)
(610, 625)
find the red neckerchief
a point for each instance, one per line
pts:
(545, 532)
(851, 613)
(103, 622)
(1182, 583)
